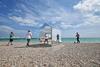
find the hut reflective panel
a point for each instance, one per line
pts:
(50, 33)
(46, 32)
(56, 32)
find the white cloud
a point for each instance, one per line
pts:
(94, 19)
(88, 5)
(8, 29)
(54, 14)
(17, 10)
(18, 33)
(61, 18)
(65, 26)
(88, 8)
(24, 21)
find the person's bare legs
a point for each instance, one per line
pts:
(28, 40)
(8, 44)
(11, 43)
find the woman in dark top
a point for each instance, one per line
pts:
(11, 38)
(77, 37)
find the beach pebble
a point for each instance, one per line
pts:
(56, 56)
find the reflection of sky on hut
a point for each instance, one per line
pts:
(69, 16)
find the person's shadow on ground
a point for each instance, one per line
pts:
(36, 46)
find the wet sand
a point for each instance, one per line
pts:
(56, 55)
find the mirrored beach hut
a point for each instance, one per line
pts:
(50, 33)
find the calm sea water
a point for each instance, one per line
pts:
(82, 40)
(64, 40)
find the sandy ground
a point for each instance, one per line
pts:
(61, 55)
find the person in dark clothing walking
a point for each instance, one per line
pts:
(58, 38)
(78, 37)
(11, 38)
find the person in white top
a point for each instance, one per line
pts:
(46, 39)
(28, 36)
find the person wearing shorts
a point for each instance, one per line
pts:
(11, 38)
(29, 36)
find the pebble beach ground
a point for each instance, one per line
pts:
(57, 55)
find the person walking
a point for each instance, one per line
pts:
(28, 36)
(77, 37)
(57, 38)
(11, 38)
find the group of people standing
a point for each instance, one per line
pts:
(29, 36)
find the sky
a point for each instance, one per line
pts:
(69, 16)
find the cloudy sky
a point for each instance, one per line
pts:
(69, 16)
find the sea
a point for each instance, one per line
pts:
(64, 40)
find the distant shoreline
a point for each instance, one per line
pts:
(38, 37)
(64, 40)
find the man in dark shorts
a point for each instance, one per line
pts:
(11, 38)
